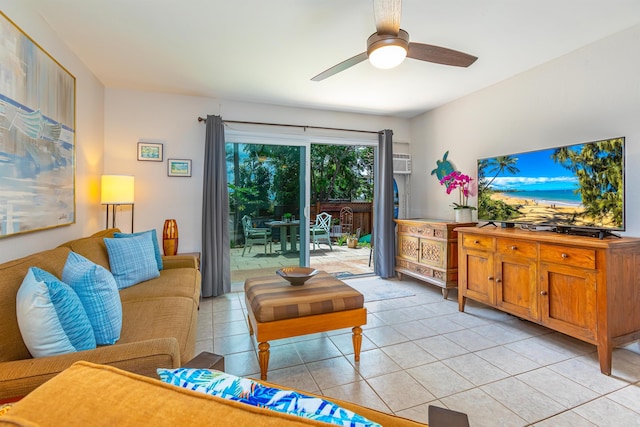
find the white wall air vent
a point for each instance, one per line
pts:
(401, 163)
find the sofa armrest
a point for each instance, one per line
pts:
(179, 261)
(19, 377)
(88, 395)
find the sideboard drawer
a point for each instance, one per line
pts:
(575, 257)
(427, 273)
(471, 241)
(516, 247)
(421, 230)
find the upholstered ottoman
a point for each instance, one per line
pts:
(278, 310)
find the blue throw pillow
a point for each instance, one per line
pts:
(154, 239)
(132, 259)
(98, 292)
(51, 317)
(251, 392)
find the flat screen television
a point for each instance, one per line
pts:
(569, 188)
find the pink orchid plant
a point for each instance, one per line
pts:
(463, 183)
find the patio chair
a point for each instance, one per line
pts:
(255, 235)
(320, 231)
(346, 220)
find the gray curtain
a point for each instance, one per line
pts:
(384, 240)
(215, 263)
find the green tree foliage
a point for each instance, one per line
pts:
(250, 193)
(341, 172)
(264, 176)
(286, 177)
(365, 176)
(598, 168)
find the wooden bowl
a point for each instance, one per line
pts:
(296, 276)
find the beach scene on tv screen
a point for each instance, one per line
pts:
(579, 185)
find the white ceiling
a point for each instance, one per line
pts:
(267, 51)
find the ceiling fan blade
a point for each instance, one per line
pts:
(341, 67)
(440, 55)
(387, 14)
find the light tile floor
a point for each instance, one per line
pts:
(419, 351)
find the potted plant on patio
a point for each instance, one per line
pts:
(352, 241)
(286, 217)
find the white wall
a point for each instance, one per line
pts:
(132, 116)
(89, 140)
(590, 94)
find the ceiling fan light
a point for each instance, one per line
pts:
(387, 56)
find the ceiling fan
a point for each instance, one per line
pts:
(389, 45)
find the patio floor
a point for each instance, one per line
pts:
(339, 260)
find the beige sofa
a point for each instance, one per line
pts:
(158, 329)
(97, 395)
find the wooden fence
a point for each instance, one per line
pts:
(362, 213)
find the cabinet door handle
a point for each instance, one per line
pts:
(543, 293)
(490, 278)
(498, 280)
(514, 248)
(564, 256)
(476, 242)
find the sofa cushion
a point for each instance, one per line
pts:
(174, 282)
(161, 317)
(98, 292)
(93, 247)
(51, 317)
(253, 393)
(132, 259)
(154, 240)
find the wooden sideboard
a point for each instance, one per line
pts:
(581, 286)
(427, 249)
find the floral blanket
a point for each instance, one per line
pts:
(253, 393)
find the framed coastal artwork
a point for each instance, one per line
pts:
(37, 136)
(179, 167)
(150, 151)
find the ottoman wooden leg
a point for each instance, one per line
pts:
(357, 342)
(263, 359)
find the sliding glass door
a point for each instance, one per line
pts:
(342, 183)
(278, 185)
(266, 205)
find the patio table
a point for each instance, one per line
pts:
(286, 228)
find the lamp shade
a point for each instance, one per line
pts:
(117, 189)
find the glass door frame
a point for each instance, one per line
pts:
(304, 142)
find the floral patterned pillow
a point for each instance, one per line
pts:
(254, 393)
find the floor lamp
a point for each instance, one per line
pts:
(117, 190)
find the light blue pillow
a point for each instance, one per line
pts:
(98, 292)
(51, 317)
(154, 239)
(132, 259)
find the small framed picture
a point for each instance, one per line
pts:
(150, 151)
(179, 167)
